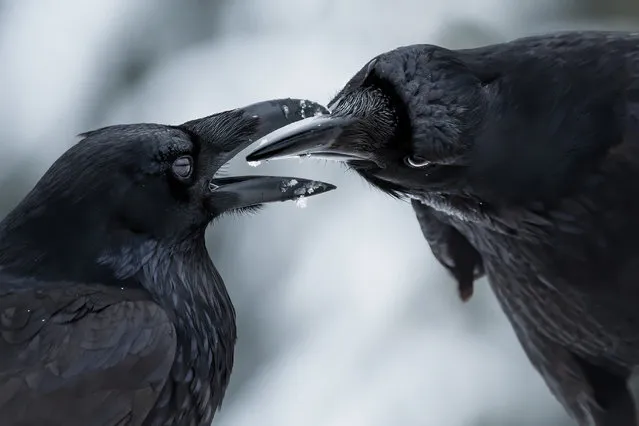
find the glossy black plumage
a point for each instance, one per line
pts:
(522, 162)
(111, 311)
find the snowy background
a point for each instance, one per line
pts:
(344, 317)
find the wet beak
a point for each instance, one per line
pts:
(236, 192)
(312, 137)
(270, 115)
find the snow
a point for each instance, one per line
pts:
(301, 202)
(303, 108)
(345, 318)
(305, 188)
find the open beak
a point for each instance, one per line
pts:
(312, 137)
(244, 191)
(235, 192)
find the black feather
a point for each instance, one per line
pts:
(111, 311)
(534, 151)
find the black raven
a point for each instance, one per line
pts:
(521, 160)
(111, 311)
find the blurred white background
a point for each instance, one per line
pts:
(344, 317)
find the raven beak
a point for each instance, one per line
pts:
(312, 137)
(267, 115)
(236, 192)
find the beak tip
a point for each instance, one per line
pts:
(327, 187)
(311, 109)
(306, 187)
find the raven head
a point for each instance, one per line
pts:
(472, 130)
(125, 186)
(405, 122)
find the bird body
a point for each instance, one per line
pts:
(121, 355)
(521, 161)
(111, 310)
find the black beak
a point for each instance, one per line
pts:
(244, 191)
(268, 115)
(228, 193)
(313, 137)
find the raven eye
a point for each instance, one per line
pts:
(182, 167)
(415, 162)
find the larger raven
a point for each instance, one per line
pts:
(111, 311)
(522, 162)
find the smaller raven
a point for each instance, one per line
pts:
(521, 160)
(111, 311)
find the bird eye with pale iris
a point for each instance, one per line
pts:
(415, 162)
(182, 167)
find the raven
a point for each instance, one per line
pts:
(111, 311)
(521, 160)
